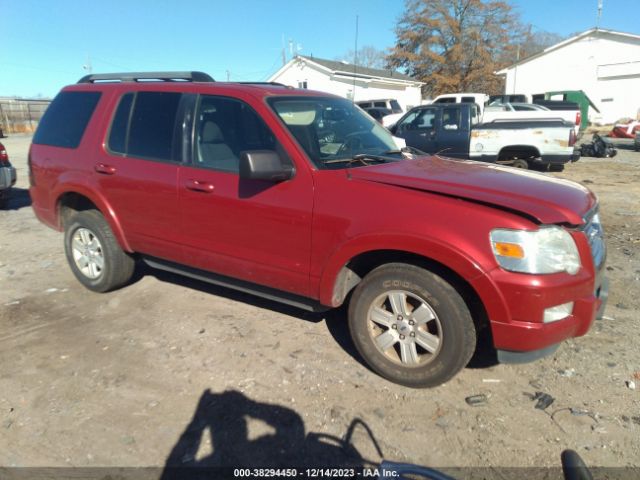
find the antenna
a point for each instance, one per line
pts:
(600, 2)
(355, 61)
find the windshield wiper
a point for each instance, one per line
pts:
(411, 150)
(364, 158)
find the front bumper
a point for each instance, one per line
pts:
(538, 334)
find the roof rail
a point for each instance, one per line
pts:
(147, 76)
(275, 84)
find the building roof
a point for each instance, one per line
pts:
(349, 69)
(564, 43)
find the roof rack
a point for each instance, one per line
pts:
(147, 76)
(275, 84)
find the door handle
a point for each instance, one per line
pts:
(105, 169)
(199, 186)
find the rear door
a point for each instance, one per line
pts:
(138, 170)
(419, 129)
(253, 230)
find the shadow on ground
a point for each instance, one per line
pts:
(17, 198)
(218, 437)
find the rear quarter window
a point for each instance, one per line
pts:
(66, 119)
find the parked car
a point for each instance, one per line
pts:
(455, 131)
(388, 103)
(232, 184)
(530, 111)
(7, 176)
(525, 107)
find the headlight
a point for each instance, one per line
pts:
(547, 250)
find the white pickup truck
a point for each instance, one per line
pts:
(454, 130)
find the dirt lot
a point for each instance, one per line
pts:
(136, 377)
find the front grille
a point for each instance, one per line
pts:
(595, 236)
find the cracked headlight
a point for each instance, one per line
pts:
(547, 250)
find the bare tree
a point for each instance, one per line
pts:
(368, 56)
(536, 42)
(456, 45)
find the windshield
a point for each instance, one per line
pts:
(334, 132)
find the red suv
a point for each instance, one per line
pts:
(300, 196)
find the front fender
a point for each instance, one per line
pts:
(429, 248)
(75, 182)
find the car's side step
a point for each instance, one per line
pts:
(240, 285)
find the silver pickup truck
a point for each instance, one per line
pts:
(7, 175)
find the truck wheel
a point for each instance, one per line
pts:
(520, 163)
(93, 253)
(411, 326)
(556, 167)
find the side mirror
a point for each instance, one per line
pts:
(264, 165)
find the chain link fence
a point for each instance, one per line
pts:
(19, 115)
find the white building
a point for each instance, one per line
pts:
(349, 81)
(603, 63)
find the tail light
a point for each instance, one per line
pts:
(4, 158)
(32, 181)
(572, 137)
(578, 117)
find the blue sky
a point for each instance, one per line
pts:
(44, 44)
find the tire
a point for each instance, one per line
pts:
(411, 326)
(93, 253)
(556, 167)
(520, 163)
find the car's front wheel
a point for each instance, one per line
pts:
(411, 326)
(93, 253)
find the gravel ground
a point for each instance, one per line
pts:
(172, 369)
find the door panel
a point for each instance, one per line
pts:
(254, 230)
(453, 135)
(142, 191)
(419, 129)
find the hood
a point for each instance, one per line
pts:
(547, 199)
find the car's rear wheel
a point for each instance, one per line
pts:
(93, 253)
(411, 326)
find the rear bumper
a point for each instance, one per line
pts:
(7, 177)
(554, 159)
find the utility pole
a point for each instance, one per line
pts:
(600, 2)
(284, 54)
(355, 61)
(87, 66)
(515, 70)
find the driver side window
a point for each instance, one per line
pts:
(224, 129)
(419, 120)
